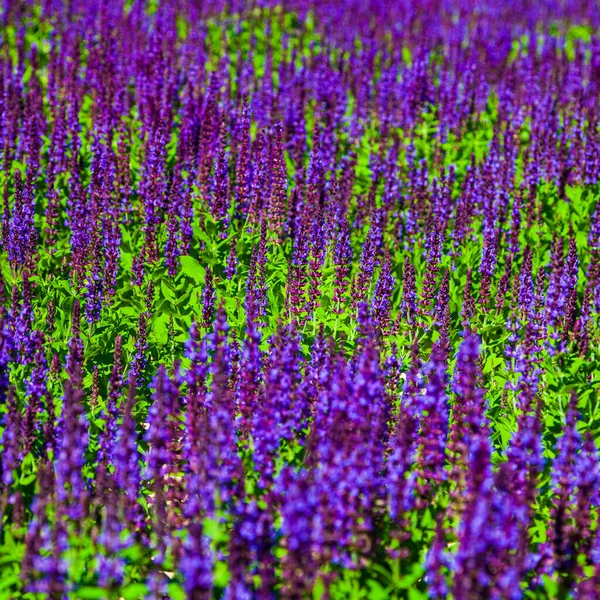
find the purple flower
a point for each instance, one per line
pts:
(575, 478)
(208, 299)
(36, 389)
(281, 412)
(242, 168)
(232, 262)
(44, 569)
(468, 307)
(95, 285)
(73, 432)
(111, 567)
(220, 196)
(487, 535)
(249, 384)
(526, 287)
(432, 261)
(408, 306)
(260, 190)
(11, 441)
(366, 266)
(342, 256)
(278, 200)
(127, 474)
(107, 436)
(433, 420)
(198, 486)
(381, 303)
(22, 236)
(138, 362)
(23, 321)
(467, 410)
(299, 528)
(442, 312)
(224, 464)
(163, 437)
(197, 563)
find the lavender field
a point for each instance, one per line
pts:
(300, 299)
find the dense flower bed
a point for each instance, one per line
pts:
(300, 300)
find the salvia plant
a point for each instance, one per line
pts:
(299, 299)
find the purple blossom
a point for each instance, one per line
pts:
(127, 474)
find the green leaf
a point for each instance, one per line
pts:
(161, 328)
(192, 268)
(91, 593)
(7, 581)
(222, 575)
(134, 591)
(167, 291)
(550, 586)
(318, 589)
(377, 591)
(28, 470)
(176, 592)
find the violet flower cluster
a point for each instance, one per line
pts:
(299, 299)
